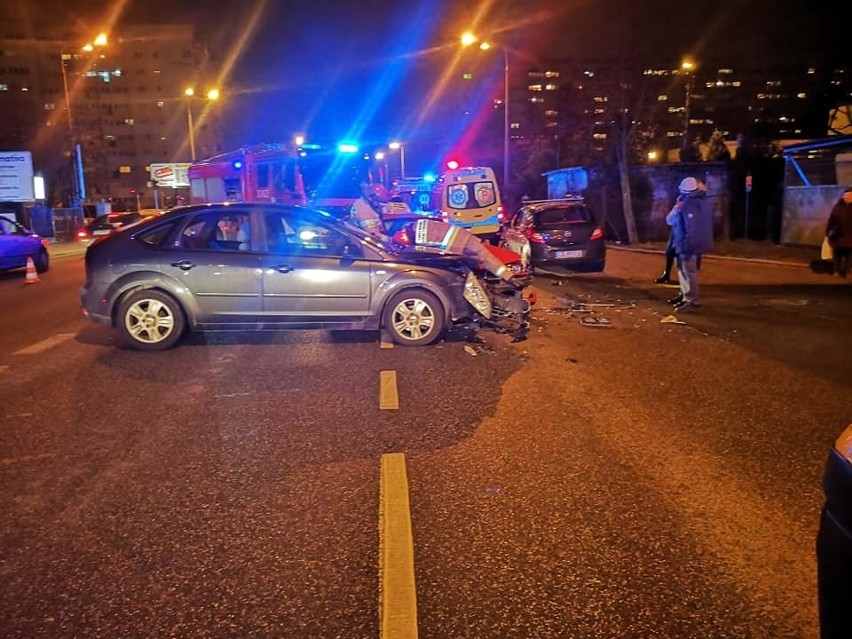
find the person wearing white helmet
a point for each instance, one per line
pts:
(692, 235)
(366, 211)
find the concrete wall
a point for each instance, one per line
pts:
(806, 210)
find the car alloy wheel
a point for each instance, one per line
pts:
(415, 318)
(151, 320)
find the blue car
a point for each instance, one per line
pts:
(17, 244)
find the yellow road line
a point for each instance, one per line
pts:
(388, 396)
(43, 345)
(398, 604)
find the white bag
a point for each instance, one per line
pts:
(827, 251)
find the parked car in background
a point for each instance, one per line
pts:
(250, 266)
(17, 244)
(106, 224)
(557, 236)
(834, 542)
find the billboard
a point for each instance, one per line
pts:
(16, 176)
(170, 175)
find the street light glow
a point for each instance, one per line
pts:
(485, 46)
(189, 91)
(395, 146)
(101, 40)
(468, 39)
(213, 94)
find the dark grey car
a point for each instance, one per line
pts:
(557, 236)
(266, 266)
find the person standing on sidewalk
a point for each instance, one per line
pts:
(692, 235)
(838, 230)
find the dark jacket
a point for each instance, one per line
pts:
(839, 227)
(692, 225)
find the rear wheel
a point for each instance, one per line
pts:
(414, 317)
(150, 320)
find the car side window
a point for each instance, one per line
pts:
(290, 232)
(9, 228)
(223, 230)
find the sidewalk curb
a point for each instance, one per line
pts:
(711, 256)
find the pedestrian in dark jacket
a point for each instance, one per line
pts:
(692, 235)
(838, 230)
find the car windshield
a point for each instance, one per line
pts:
(560, 215)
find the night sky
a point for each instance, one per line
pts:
(371, 69)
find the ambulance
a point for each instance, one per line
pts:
(469, 197)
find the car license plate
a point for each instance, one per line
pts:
(563, 255)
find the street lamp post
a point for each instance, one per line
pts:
(399, 146)
(78, 179)
(467, 39)
(212, 94)
(688, 66)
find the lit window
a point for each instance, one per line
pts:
(128, 121)
(515, 125)
(737, 83)
(537, 100)
(550, 87)
(160, 103)
(662, 98)
(50, 106)
(599, 110)
(534, 87)
(801, 96)
(599, 98)
(4, 87)
(25, 88)
(551, 74)
(811, 71)
(599, 136)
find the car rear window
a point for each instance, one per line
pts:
(564, 214)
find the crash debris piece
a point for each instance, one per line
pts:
(470, 350)
(596, 322)
(671, 319)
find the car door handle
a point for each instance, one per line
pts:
(183, 265)
(283, 268)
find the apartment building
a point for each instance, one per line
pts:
(121, 98)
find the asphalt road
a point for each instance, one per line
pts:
(638, 479)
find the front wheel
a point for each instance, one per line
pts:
(42, 261)
(150, 320)
(414, 317)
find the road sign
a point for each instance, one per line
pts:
(16, 176)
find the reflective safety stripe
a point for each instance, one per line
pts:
(449, 237)
(501, 270)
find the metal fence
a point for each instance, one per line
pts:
(65, 223)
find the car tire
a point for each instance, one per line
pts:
(42, 261)
(414, 317)
(150, 320)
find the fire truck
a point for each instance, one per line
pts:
(325, 176)
(259, 173)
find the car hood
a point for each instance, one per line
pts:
(429, 256)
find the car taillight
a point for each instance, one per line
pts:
(82, 234)
(597, 233)
(445, 215)
(500, 213)
(534, 236)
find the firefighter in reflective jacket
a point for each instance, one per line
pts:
(453, 239)
(367, 210)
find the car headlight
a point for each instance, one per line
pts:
(476, 296)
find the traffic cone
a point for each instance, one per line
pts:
(32, 276)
